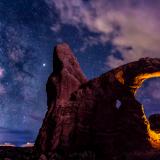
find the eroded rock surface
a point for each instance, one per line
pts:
(65, 79)
(82, 118)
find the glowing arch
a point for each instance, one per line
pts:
(132, 76)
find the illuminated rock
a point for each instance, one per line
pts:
(83, 117)
(7, 145)
(28, 144)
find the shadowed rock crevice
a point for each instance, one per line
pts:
(82, 115)
(154, 121)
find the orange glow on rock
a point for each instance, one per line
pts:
(154, 139)
(139, 79)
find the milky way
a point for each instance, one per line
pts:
(103, 34)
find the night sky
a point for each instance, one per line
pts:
(103, 35)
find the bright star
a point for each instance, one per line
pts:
(43, 64)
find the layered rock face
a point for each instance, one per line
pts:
(83, 119)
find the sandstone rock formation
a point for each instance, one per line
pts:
(83, 120)
(65, 79)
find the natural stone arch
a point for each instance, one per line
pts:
(82, 115)
(132, 76)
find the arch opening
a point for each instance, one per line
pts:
(149, 96)
(118, 104)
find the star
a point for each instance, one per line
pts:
(44, 64)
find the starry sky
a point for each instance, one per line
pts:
(103, 35)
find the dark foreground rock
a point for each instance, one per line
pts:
(83, 120)
(17, 153)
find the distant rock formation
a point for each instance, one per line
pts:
(95, 119)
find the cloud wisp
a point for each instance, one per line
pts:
(131, 26)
